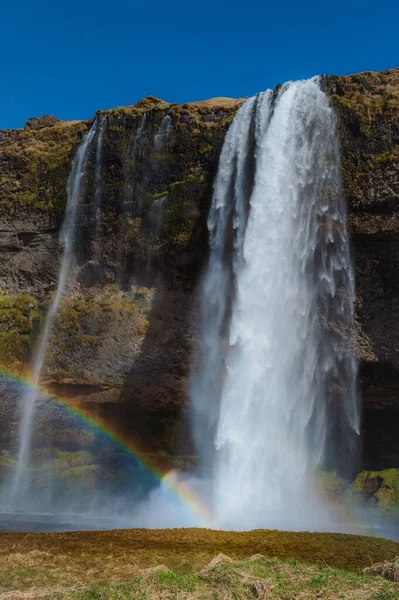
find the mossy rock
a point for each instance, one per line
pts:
(14, 351)
(378, 489)
(35, 163)
(67, 460)
(17, 313)
(330, 484)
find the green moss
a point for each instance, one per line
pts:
(378, 489)
(6, 459)
(363, 105)
(75, 475)
(14, 350)
(68, 319)
(17, 313)
(384, 159)
(158, 195)
(38, 165)
(43, 207)
(88, 340)
(84, 322)
(143, 328)
(330, 484)
(64, 460)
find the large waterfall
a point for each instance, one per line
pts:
(275, 397)
(76, 184)
(273, 386)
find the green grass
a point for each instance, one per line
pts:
(259, 577)
(121, 564)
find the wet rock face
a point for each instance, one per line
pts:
(367, 107)
(142, 241)
(122, 339)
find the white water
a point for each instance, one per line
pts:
(162, 136)
(275, 395)
(206, 384)
(101, 122)
(139, 136)
(98, 170)
(76, 185)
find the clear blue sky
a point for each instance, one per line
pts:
(71, 57)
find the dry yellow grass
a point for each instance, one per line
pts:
(40, 563)
(387, 569)
(258, 577)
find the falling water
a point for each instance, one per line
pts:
(156, 213)
(275, 397)
(101, 122)
(228, 191)
(98, 170)
(76, 184)
(162, 136)
(139, 136)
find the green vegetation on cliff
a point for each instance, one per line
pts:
(35, 164)
(18, 313)
(367, 105)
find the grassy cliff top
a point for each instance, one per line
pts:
(369, 92)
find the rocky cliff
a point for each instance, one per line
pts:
(123, 339)
(367, 106)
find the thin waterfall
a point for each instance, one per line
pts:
(76, 188)
(161, 138)
(98, 169)
(98, 190)
(275, 396)
(156, 213)
(139, 136)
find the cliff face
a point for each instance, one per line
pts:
(367, 106)
(123, 338)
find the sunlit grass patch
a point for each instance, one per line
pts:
(128, 563)
(243, 580)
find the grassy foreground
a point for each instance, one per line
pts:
(171, 564)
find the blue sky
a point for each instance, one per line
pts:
(72, 57)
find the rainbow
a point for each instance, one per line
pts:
(178, 488)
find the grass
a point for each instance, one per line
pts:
(35, 160)
(110, 564)
(257, 577)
